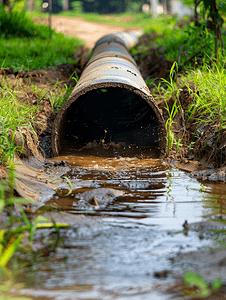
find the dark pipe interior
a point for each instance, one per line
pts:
(113, 115)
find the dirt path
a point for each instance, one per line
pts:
(87, 31)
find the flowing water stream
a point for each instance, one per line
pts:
(118, 249)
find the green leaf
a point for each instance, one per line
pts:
(1, 241)
(195, 279)
(2, 204)
(55, 226)
(205, 293)
(40, 219)
(207, 3)
(217, 284)
(23, 200)
(26, 221)
(51, 225)
(70, 185)
(9, 251)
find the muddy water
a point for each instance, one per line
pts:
(118, 252)
(152, 193)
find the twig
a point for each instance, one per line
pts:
(50, 17)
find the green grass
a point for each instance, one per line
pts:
(36, 53)
(16, 115)
(208, 86)
(187, 45)
(27, 46)
(179, 40)
(210, 94)
(208, 89)
(17, 23)
(203, 290)
(21, 115)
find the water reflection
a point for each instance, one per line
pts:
(214, 198)
(154, 194)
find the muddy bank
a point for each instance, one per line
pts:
(202, 150)
(208, 264)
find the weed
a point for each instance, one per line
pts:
(210, 94)
(69, 183)
(11, 238)
(58, 101)
(208, 105)
(171, 91)
(191, 146)
(21, 115)
(7, 284)
(149, 82)
(17, 23)
(194, 279)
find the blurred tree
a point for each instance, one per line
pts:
(65, 5)
(212, 19)
(112, 6)
(6, 3)
(104, 6)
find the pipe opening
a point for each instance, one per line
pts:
(111, 114)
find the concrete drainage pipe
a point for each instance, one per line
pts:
(111, 102)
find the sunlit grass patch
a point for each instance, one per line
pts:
(36, 53)
(210, 93)
(27, 46)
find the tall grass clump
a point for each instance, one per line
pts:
(17, 23)
(184, 43)
(207, 87)
(168, 89)
(12, 116)
(210, 93)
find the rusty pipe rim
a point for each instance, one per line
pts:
(58, 123)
